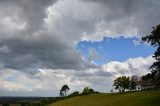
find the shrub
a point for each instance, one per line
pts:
(76, 93)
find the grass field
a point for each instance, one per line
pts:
(141, 98)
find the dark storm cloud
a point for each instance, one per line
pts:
(52, 43)
(34, 47)
(138, 14)
(44, 52)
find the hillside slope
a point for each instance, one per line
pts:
(142, 98)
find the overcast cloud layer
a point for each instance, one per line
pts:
(40, 37)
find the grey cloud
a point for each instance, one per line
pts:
(38, 53)
(30, 11)
(37, 47)
(4, 49)
(103, 74)
(85, 74)
(52, 45)
(125, 16)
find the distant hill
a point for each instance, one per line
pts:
(21, 99)
(140, 98)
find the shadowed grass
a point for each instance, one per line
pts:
(141, 98)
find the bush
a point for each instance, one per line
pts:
(76, 93)
(87, 91)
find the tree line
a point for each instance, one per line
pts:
(86, 91)
(122, 83)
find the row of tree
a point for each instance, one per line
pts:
(86, 91)
(135, 82)
(122, 83)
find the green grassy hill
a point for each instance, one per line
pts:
(141, 98)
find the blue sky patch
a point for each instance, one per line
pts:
(115, 49)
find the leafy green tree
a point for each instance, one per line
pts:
(64, 90)
(154, 39)
(149, 79)
(122, 83)
(91, 90)
(132, 83)
(87, 91)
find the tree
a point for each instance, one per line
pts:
(91, 90)
(87, 91)
(64, 90)
(122, 83)
(133, 83)
(154, 40)
(148, 81)
(61, 93)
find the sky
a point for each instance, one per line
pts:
(45, 44)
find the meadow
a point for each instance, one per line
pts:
(139, 98)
